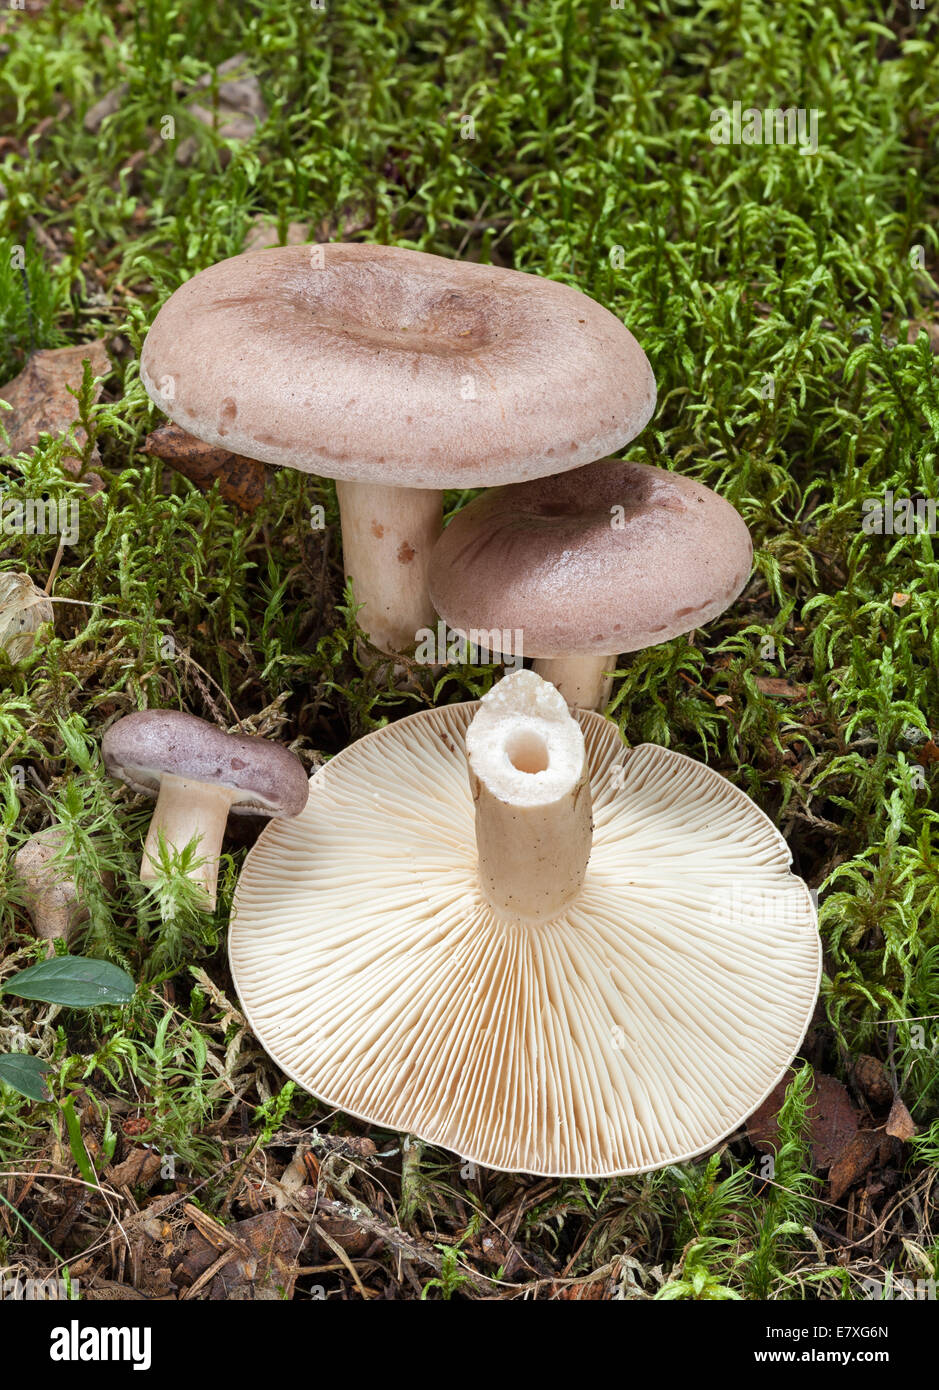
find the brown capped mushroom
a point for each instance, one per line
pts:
(399, 374)
(199, 773)
(50, 893)
(577, 568)
(579, 961)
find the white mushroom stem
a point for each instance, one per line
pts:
(187, 810)
(530, 782)
(582, 680)
(388, 534)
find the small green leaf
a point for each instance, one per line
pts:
(73, 980)
(24, 1073)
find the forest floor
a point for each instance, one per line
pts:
(787, 299)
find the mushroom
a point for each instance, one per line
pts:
(50, 894)
(574, 569)
(398, 374)
(535, 985)
(199, 774)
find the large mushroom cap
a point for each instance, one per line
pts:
(612, 557)
(140, 748)
(397, 367)
(636, 1029)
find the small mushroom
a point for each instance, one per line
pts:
(610, 558)
(50, 893)
(399, 374)
(577, 960)
(199, 774)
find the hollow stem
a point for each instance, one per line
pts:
(530, 782)
(186, 811)
(388, 534)
(580, 679)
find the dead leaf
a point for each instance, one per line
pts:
(918, 326)
(833, 1119)
(262, 234)
(900, 1122)
(240, 480)
(353, 1239)
(259, 1261)
(240, 106)
(50, 894)
(870, 1077)
(139, 1169)
(238, 88)
(23, 609)
(107, 106)
(775, 685)
(40, 398)
(349, 220)
(928, 753)
(853, 1162)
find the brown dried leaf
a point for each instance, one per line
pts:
(853, 1162)
(870, 1077)
(50, 894)
(240, 106)
(140, 1168)
(267, 1268)
(23, 609)
(262, 234)
(107, 106)
(932, 330)
(900, 1122)
(353, 1239)
(833, 1119)
(240, 480)
(40, 398)
(775, 685)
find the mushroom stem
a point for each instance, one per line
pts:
(188, 810)
(530, 782)
(582, 679)
(388, 534)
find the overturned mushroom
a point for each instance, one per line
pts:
(50, 894)
(199, 774)
(581, 960)
(610, 558)
(399, 374)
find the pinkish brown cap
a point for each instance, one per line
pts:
(609, 558)
(140, 748)
(376, 364)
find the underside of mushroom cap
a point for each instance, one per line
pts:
(612, 557)
(141, 748)
(375, 363)
(638, 1028)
